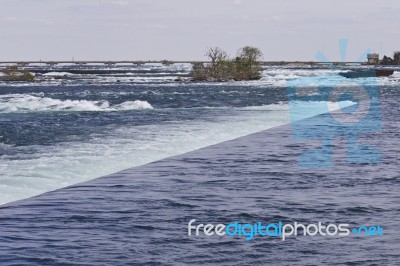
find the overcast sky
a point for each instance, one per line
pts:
(182, 29)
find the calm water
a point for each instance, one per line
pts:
(62, 132)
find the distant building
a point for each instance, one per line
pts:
(373, 59)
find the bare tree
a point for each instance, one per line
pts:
(219, 66)
(216, 55)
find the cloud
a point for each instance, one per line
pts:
(24, 20)
(285, 29)
(120, 3)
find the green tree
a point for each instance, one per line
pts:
(248, 63)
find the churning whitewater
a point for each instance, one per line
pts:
(59, 132)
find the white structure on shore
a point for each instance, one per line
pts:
(373, 59)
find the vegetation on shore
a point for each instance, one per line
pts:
(245, 66)
(391, 61)
(12, 73)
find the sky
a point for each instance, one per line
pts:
(183, 29)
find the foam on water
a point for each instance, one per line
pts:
(67, 163)
(25, 103)
(157, 74)
(57, 74)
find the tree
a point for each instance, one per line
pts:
(219, 66)
(396, 58)
(387, 61)
(216, 55)
(248, 63)
(246, 66)
(198, 72)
